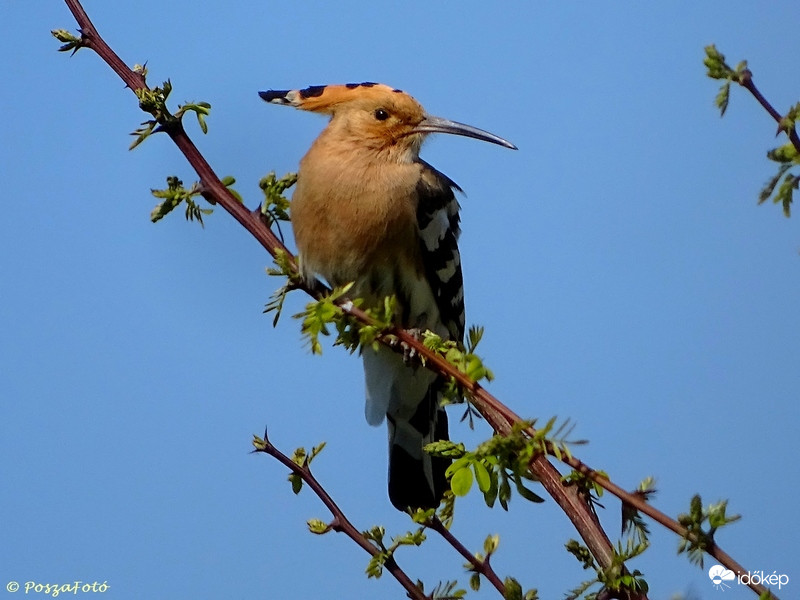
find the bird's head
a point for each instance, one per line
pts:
(375, 116)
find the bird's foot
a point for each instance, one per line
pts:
(410, 354)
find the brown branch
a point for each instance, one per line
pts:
(340, 521)
(213, 189)
(746, 81)
(479, 566)
(500, 417)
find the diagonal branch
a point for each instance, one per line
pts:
(340, 522)
(481, 566)
(746, 81)
(213, 189)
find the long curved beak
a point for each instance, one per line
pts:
(431, 124)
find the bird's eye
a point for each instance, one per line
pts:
(381, 114)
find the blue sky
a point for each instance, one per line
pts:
(618, 260)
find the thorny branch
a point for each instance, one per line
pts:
(746, 81)
(498, 416)
(479, 566)
(340, 522)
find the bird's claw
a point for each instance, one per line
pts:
(410, 354)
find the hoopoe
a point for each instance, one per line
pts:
(368, 210)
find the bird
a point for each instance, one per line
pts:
(368, 211)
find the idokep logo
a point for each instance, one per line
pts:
(722, 578)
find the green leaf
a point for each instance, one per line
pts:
(375, 565)
(784, 154)
(446, 509)
(504, 492)
(490, 544)
(475, 581)
(723, 97)
(526, 493)
(490, 495)
(482, 476)
(445, 591)
(297, 482)
(318, 527)
(315, 452)
(299, 457)
(445, 449)
(147, 127)
(287, 268)
(474, 337)
(715, 63)
(411, 538)
(201, 110)
(461, 482)
(513, 589)
(717, 516)
(423, 516)
(275, 206)
(719, 69)
(70, 41)
(769, 187)
(375, 534)
(457, 465)
(785, 193)
(582, 553)
(173, 195)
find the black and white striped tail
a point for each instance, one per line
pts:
(417, 479)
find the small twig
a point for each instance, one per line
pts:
(746, 81)
(340, 522)
(480, 566)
